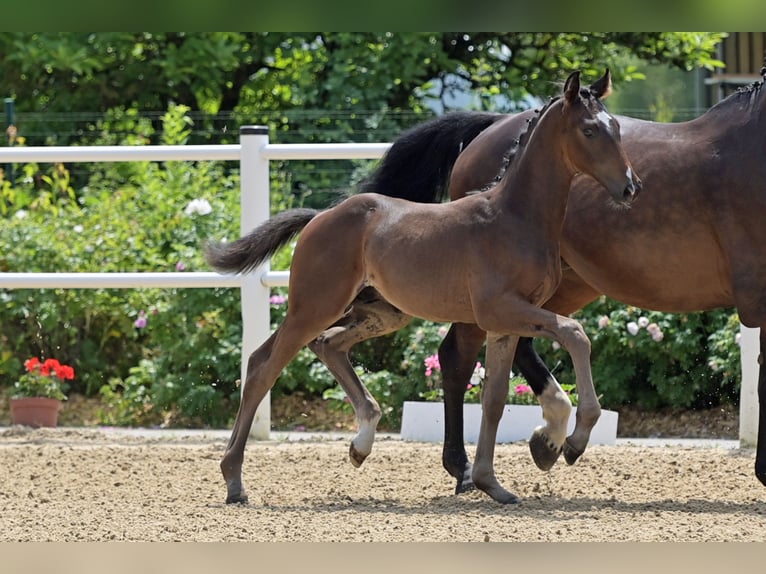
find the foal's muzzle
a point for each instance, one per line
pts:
(633, 188)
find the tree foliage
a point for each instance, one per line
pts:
(256, 71)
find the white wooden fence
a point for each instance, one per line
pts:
(254, 153)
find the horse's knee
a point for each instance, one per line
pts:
(588, 415)
(576, 336)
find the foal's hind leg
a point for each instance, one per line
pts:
(263, 368)
(302, 324)
(371, 316)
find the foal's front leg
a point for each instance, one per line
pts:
(500, 350)
(527, 320)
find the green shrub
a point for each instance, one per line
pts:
(187, 339)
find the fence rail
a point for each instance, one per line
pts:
(254, 153)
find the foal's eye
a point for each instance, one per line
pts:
(588, 132)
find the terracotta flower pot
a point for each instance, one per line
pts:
(35, 411)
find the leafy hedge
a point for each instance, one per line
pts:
(182, 358)
(172, 356)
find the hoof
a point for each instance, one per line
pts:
(464, 486)
(571, 454)
(507, 498)
(356, 457)
(499, 494)
(761, 476)
(236, 499)
(544, 452)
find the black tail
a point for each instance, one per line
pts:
(418, 164)
(248, 252)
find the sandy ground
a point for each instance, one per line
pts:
(90, 485)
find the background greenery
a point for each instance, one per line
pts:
(180, 367)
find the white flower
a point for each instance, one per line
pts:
(655, 331)
(633, 328)
(198, 206)
(442, 331)
(78, 228)
(737, 338)
(478, 375)
(643, 322)
(555, 345)
(603, 322)
(21, 214)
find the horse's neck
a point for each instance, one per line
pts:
(743, 110)
(536, 187)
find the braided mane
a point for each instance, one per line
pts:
(751, 90)
(518, 144)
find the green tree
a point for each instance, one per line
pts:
(262, 71)
(309, 86)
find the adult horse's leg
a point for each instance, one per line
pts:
(371, 316)
(760, 452)
(457, 357)
(500, 350)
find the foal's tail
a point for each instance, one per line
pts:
(248, 252)
(418, 164)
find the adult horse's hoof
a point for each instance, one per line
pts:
(571, 454)
(356, 457)
(544, 452)
(240, 498)
(464, 486)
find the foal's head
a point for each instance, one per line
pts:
(591, 138)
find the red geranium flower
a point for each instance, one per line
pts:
(44, 379)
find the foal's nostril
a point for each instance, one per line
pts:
(631, 190)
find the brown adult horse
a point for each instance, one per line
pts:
(692, 243)
(507, 266)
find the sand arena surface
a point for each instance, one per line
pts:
(90, 485)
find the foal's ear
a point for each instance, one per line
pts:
(603, 87)
(572, 87)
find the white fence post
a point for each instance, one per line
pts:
(750, 347)
(254, 201)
